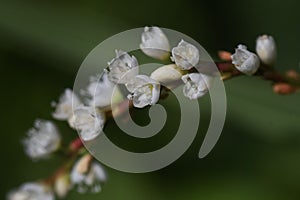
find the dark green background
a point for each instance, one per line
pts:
(42, 44)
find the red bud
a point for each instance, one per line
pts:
(292, 74)
(225, 55)
(283, 88)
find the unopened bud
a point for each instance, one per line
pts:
(167, 73)
(84, 163)
(62, 185)
(224, 55)
(266, 49)
(293, 74)
(283, 88)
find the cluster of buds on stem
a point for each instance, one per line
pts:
(248, 62)
(260, 63)
(88, 115)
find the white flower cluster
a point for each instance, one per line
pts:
(31, 191)
(124, 70)
(88, 115)
(86, 175)
(185, 57)
(145, 90)
(248, 62)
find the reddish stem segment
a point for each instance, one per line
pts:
(74, 148)
(76, 144)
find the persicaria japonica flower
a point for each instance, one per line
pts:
(31, 191)
(42, 139)
(88, 175)
(155, 43)
(185, 55)
(103, 98)
(144, 91)
(99, 92)
(88, 121)
(64, 108)
(122, 68)
(196, 85)
(245, 61)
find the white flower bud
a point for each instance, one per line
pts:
(145, 91)
(155, 43)
(41, 140)
(88, 121)
(100, 90)
(122, 68)
(245, 61)
(89, 180)
(66, 102)
(31, 191)
(185, 55)
(196, 85)
(167, 73)
(266, 49)
(62, 186)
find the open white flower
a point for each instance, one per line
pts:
(88, 121)
(245, 61)
(88, 178)
(64, 108)
(122, 68)
(185, 55)
(266, 49)
(155, 43)
(196, 85)
(41, 140)
(145, 91)
(31, 191)
(99, 92)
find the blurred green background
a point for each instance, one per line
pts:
(42, 44)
